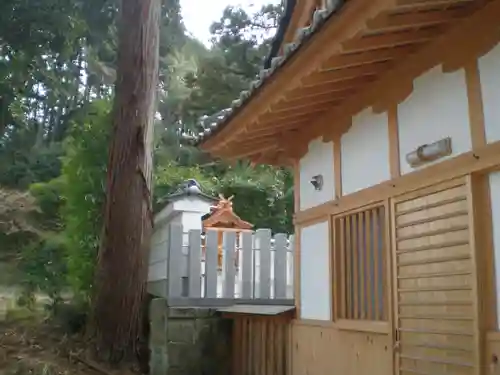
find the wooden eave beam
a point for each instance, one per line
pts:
(269, 119)
(482, 23)
(254, 143)
(305, 109)
(318, 96)
(392, 22)
(352, 19)
(291, 117)
(326, 87)
(328, 76)
(272, 131)
(428, 4)
(242, 152)
(363, 58)
(387, 40)
(296, 105)
(275, 126)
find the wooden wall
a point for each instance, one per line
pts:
(442, 317)
(261, 345)
(493, 353)
(280, 346)
(324, 349)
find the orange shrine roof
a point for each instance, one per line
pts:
(223, 216)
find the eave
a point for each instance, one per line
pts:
(365, 39)
(282, 34)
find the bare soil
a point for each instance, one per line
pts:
(33, 346)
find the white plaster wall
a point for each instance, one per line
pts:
(315, 297)
(436, 109)
(158, 253)
(365, 152)
(489, 71)
(494, 179)
(186, 211)
(191, 220)
(192, 203)
(318, 160)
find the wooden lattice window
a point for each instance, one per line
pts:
(361, 265)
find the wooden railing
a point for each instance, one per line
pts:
(256, 267)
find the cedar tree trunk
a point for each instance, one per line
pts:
(121, 273)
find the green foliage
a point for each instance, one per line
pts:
(262, 195)
(169, 176)
(19, 167)
(71, 204)
(43, 265)
(241, 41)
(84, 174)
(49, 199)
(56, 75)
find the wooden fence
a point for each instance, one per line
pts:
(256, 268)
(261, 345)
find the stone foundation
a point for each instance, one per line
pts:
(188, 341)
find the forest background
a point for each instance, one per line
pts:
(57, 72)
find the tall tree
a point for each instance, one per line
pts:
(122, 263)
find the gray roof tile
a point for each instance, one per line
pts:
(212, 124)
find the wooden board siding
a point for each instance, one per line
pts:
(261, 345)
(434, 287)
(323, 349)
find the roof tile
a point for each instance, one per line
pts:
(212, 124)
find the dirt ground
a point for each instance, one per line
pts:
(30, 345)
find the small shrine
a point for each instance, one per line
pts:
(222, 216)
(195, 210)
(224, 219)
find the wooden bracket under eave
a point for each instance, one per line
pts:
(397, 95)
(485, 36)
(335, 131)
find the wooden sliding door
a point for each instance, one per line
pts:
(435, 292)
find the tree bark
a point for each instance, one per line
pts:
(121, 272)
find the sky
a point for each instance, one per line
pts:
(198, 15)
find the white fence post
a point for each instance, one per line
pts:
(247, 265)
(211, 263)
(194, 264)
(174, 276)
(264, 269)
(264, 243)
(229, 253)
(290, 263)
(280, 254)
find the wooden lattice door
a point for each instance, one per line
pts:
(435, 290)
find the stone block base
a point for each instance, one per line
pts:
(188, 341)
